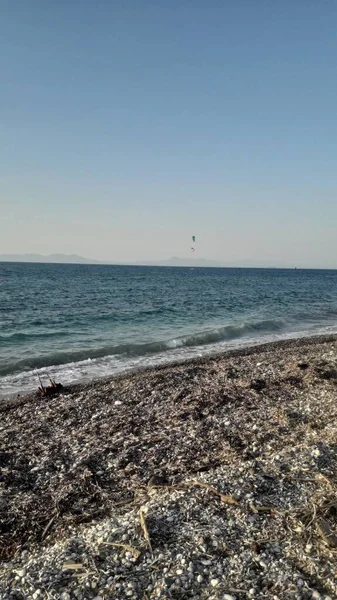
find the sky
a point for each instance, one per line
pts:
(126, 127)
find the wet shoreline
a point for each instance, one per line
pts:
(251, 349)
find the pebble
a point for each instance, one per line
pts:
(200, 578)
(214, 582)
(228, 597)
(65, 596)
(315, 595)
(21, 572)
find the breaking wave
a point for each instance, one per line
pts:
(203, 338)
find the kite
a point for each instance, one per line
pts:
(193, 238)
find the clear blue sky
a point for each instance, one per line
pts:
(126, 127)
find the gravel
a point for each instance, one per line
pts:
(214, 479)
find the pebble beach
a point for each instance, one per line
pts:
(214, 478)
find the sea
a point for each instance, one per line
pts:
(76, 323)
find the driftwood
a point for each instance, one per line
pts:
(50, 390)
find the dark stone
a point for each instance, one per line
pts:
(258, 385)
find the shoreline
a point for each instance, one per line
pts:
(212, 478)
(245, 350)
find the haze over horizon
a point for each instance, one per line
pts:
(127, 128)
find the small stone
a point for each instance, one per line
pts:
(98, 598)
(200, 578)
(118, 402)
(179, 571)
(214, 582)
(316, 595)
(37, 593)
(21, 572)
(300, 583)
(228, 597)
(262, 564)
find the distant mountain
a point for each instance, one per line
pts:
(52, 258)
(171, 262)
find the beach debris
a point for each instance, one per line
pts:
(326, 369)
(48, 526)
(264, 509)
(135, 551)
(70, 566)
(49, 390)
(258, 385)
(223, 497)
(326, 532)
(142, 518)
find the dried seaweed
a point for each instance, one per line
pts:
(142, 518)
(223, 497)
(135, 552)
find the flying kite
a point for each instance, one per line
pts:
(193, 240)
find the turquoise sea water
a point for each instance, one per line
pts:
(77, 322)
